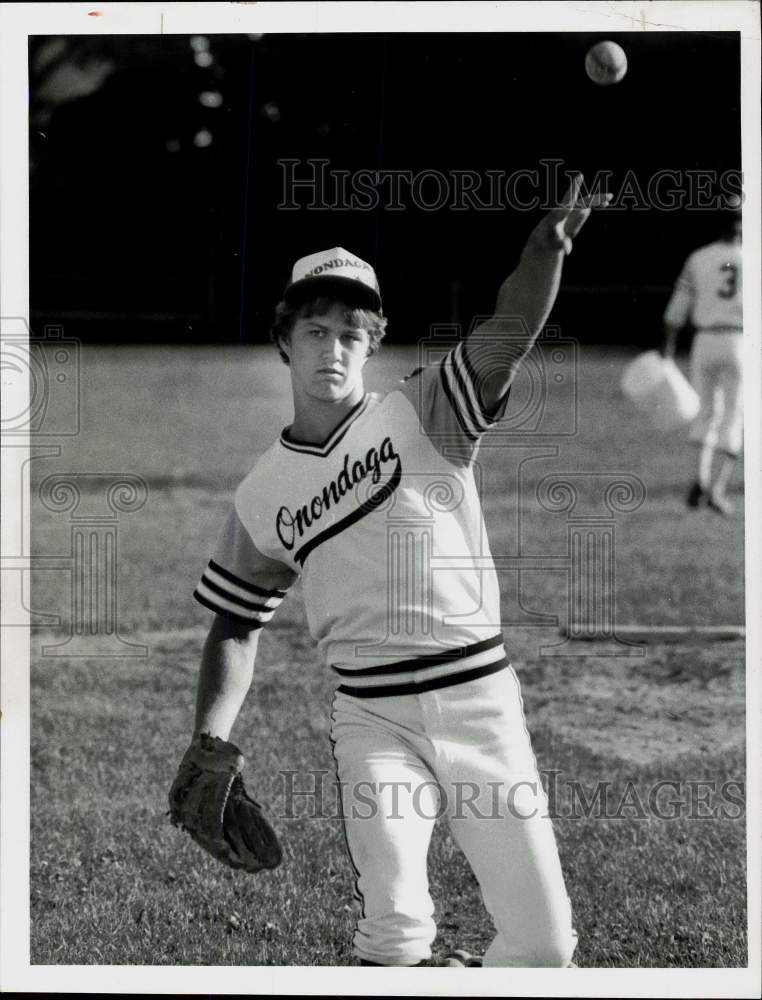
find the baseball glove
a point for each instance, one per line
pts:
(209, 801)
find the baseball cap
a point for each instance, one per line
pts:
(334, 270)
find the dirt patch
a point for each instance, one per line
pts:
(677, 700)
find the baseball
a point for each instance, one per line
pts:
(606, 63)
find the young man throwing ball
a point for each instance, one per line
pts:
(427, 717)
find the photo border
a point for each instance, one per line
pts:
(17, 23)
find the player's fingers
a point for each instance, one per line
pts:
(576, 219)
(600, 200)
(572, 201)
(569, 199)
(588, 202)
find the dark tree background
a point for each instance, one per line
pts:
(155, 179)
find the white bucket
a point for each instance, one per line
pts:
(657, 387)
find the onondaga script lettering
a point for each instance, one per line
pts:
(290, 525)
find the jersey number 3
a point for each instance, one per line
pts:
(729, 287)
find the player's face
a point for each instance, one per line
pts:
(327, 356)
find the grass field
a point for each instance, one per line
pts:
(656, 877)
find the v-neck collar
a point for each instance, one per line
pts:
(333, 438)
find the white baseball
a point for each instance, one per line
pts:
(606, 63)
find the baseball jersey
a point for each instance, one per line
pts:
(709, 290)
(383, 525)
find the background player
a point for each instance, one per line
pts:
(427, 719)
(709, 295)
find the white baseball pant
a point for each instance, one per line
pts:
(716, 371)
(463, 752)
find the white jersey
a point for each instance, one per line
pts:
(709, 291)
(382, 522)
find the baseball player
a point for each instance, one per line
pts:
(709, 295)
(371, 501)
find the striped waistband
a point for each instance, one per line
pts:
(426, 673)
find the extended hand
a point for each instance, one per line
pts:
(559, 227)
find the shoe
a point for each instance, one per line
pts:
(697, 496)
(720, 505)
(460, 959)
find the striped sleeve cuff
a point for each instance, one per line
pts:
(228, 595)
(460, 385)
